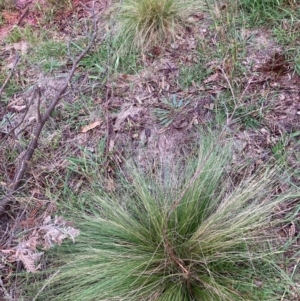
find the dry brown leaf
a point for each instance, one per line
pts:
(212, 78)
(19, 108)
(90, 126)
(21, 46)
(8, 251)
(53, 232)
(33, 241)
(47, 220)
(52, 237)
(10, 17)
(29, 259)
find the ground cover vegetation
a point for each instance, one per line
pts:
(149, 150)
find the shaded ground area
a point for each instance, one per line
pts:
(154, 106)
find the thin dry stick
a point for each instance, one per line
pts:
(10, 74)
(43, 118)
(22, 16)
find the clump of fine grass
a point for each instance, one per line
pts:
(142, 24)
(165, 237)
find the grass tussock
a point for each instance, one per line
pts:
(139, 243)
(142, 24)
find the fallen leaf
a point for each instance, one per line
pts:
(212, 78)
(10, 17)
(111, 145)
(209, 106)
(19, 46)
(90, 126)
(18, 108)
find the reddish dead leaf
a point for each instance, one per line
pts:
(90, 126)
(10, 17)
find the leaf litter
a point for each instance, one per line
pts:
(52, 232)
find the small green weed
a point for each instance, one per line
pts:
(12, 87)
(52, 48)
(172, 108)
(18, 34)
(279, 151)
(6, 120)
(1, 20)
(77, 114)
(84, 165)
(192, 75)
(250, 116)
(51, 10)
(14, 36)
(286, 37)
(285, 149)
(106, 56)
(50, 55)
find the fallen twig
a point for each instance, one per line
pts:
(22, 16)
